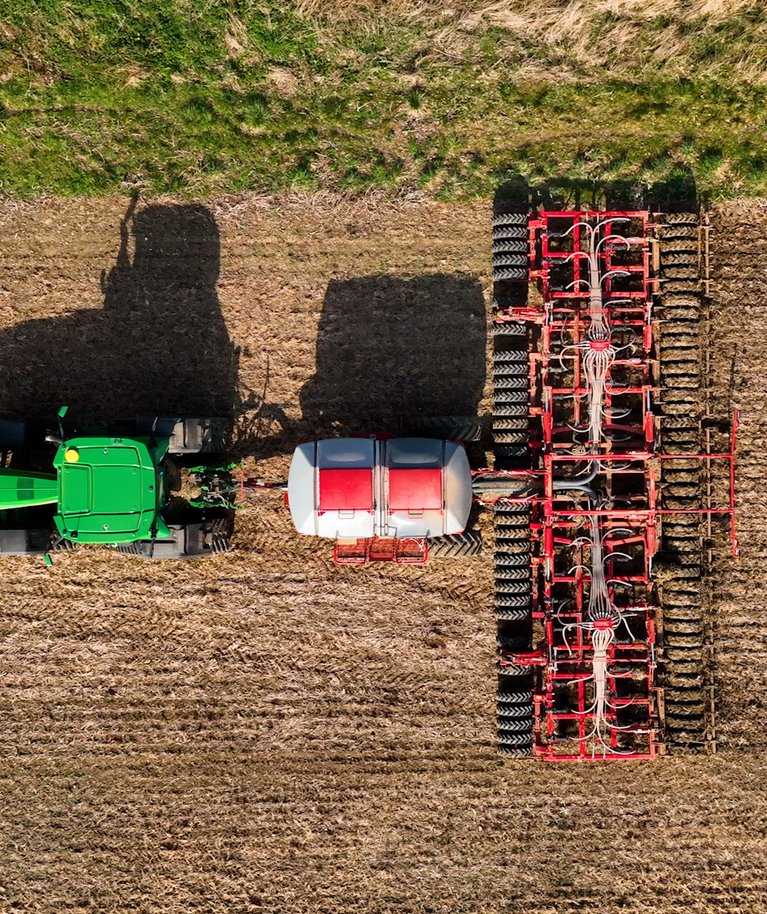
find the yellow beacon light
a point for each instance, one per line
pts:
(71, 455)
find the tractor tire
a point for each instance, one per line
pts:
(513, 724)
(455, 545)
(516, 739)
(515, 720)
(508, 260)
(510, 218)
(62, 545)
(13, 434)
(511, 450)
(25, 542)
(691, 219)
(510, 245)
(680, 343)
(513, 565)
(509, 232)
(450, 428)
(511, 257)
(220, 532)
(518, 698)
(199, 436)
(509, 328)
(515, 751)
(514, 614)
(187, 436)
(511, 400)
(512, 669)
(508, 710)
(187, 541)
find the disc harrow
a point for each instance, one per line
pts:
(598, 563)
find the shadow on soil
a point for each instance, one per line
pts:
(676, 194)
(389, 350)
(159, 346)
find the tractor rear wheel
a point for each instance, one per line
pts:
(186, 541)
(25, 541)
(13, 434)
(187, 436)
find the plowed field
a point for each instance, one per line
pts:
(265, 732)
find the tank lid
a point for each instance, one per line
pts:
(348, 489)
(415, 489)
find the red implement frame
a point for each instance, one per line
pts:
(567, 727)
(402, 551)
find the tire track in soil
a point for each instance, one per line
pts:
(739, 330)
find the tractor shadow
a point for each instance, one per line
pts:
(159, 345)
(389, 350)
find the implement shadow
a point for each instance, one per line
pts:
(159, 346)
(391, 350)
(676, 194)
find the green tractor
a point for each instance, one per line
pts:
(154, 487)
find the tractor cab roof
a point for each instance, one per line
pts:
(109, 489)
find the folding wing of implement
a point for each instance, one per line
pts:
(600, 344)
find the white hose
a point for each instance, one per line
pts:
(602, 619)
(601, 639)
(596, 367)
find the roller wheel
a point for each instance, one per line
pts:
(679, 339)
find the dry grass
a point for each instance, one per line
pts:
(620, 35)
(265, 732)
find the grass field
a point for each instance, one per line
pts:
(264, 732)
(199, 98)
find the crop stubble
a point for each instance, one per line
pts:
(264, 731)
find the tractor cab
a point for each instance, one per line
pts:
(105, 489)
(110, 490)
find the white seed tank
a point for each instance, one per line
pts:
(351, 488)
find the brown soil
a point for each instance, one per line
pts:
(263, 731)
